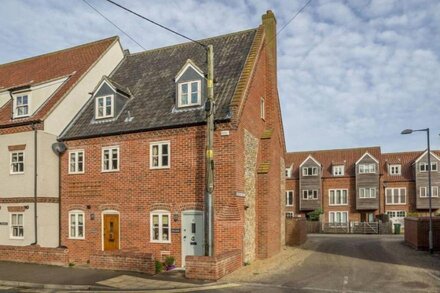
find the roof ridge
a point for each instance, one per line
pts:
(340, 149)
(59, 51)
(188, 43)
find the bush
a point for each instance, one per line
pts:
(314, 216)
(170, 261)
(159, 266)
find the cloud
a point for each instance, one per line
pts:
(351, 73)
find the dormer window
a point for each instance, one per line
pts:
(395, 169)
(21, 106)
(104, 107)
(289, 172)
(190, 94)
(338, 170)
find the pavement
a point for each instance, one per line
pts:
(326, 263)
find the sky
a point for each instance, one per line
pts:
(350, 73)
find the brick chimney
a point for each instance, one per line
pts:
(270, 28)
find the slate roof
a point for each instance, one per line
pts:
(72, 62)
(150, 77)
(328, 158)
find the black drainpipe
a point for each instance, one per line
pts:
(35, 183)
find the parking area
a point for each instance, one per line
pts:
(344, 263)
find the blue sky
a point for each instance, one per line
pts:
(351, 73)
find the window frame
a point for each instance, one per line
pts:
(112, 107)
(76, 152)
(395, 213)
(334, 217)
(308, 194)
(15, 105)
(199, 93)
(425, 165)
(77, 213)
(306, 173)
(392, 167)
(288, 192)
(160, 213)
(288, 173)
(392, 195)
(11, 168)
(341, 168)
(363, 169)
(425, 188)
(290, 215)
(335, 193)
(110, 159)
(369, 189)
(11, 226)
(160, 155)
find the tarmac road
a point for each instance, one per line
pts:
(353, 263)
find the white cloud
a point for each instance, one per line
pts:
(351, 73)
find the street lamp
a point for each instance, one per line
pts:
(409, 131)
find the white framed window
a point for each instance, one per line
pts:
(338, 197)
(104, 107)
(395, 195)
(76, 162)
(338, 170)
(110, 159)
(17, 162)
(338, 217)
(160, 226)
(190, 93)
(290, 215)
(367, 192)
(423, 167)
(395, 169)
(396, 214)
(424, 191)
(21, 106)
(289, 198)
(160, 155)
(367, 168)
(310, 194)
(262, 109)
(289, 172)
(76, 225)
(310, 171)
(17, 227)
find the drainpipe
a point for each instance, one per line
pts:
(59, 148)
(35, 183)
(12, 101)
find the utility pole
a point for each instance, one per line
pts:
(431, 248)
(209, 174)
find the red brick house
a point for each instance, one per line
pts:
(133, 173)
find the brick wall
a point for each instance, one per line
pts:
(213, 268)
(417, 232)
(296, 231)
(128, 261)
(34, 254)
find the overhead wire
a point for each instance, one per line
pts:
(157, 24)
(120, 29)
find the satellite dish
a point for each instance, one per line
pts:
(59, 148)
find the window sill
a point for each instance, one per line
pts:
(76, 173)
(161, 242)
(396, 204)
(159, 168)
(109, 171)
(16, 238)
(18, 173)
(74, 238)
(338, 205)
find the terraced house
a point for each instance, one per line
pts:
(39, 96)
(356, 185)
(133, 176)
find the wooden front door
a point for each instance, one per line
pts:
(111, 232)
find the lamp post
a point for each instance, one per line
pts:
(409, 131)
